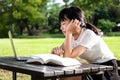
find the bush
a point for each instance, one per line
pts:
(105, 25)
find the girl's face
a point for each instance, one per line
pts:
(64, 25)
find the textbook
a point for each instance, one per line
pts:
(53, 59)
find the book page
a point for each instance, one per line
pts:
(35, 61)
(55, 59)
(64, 61)
(43, 58)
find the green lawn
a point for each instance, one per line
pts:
(44, 45)
(29, 46)
(114, 44)
(41, 45)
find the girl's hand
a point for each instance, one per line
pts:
(58, 51)
(73, 26)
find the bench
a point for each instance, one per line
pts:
(47, 72)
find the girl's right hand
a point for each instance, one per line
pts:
(58, 51)
(73, 26)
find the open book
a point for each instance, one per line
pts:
(53, 59)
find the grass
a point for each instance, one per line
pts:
(30, 46)
(7, 75)
(114, 45)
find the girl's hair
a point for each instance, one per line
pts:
(74, 12)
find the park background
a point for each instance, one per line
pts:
(36, 29)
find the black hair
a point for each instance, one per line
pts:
(74, 12)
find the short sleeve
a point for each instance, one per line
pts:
(88, 39)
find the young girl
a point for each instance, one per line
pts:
(83, 39)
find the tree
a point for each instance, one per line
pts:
(53, 22)
(20, 12)
(66, 2)
(53, 12)
(115, 9)
(26, 13)
(5, 17)
(88, 6)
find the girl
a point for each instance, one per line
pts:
(83, 39)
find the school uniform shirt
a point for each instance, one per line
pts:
(96, 49)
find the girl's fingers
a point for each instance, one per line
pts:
(58, 51)
(54, 51)
(77, 22)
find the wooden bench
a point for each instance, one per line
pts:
(46, 72)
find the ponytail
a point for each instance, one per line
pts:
(93, 28)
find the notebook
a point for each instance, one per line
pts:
(22, 58)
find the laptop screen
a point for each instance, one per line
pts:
(12, 44)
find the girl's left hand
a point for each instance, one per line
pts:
(58, 51)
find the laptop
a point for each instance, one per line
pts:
(14, 50)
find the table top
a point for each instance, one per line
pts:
(9, 63)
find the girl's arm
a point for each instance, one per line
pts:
(68, 51)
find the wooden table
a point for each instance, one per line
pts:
(43, 72)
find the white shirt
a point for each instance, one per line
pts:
(97, 51)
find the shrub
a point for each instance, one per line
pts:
(105, 25)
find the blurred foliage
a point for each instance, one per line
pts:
(3, 29)
(105, 25)
(33, 16)
(20, 12)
